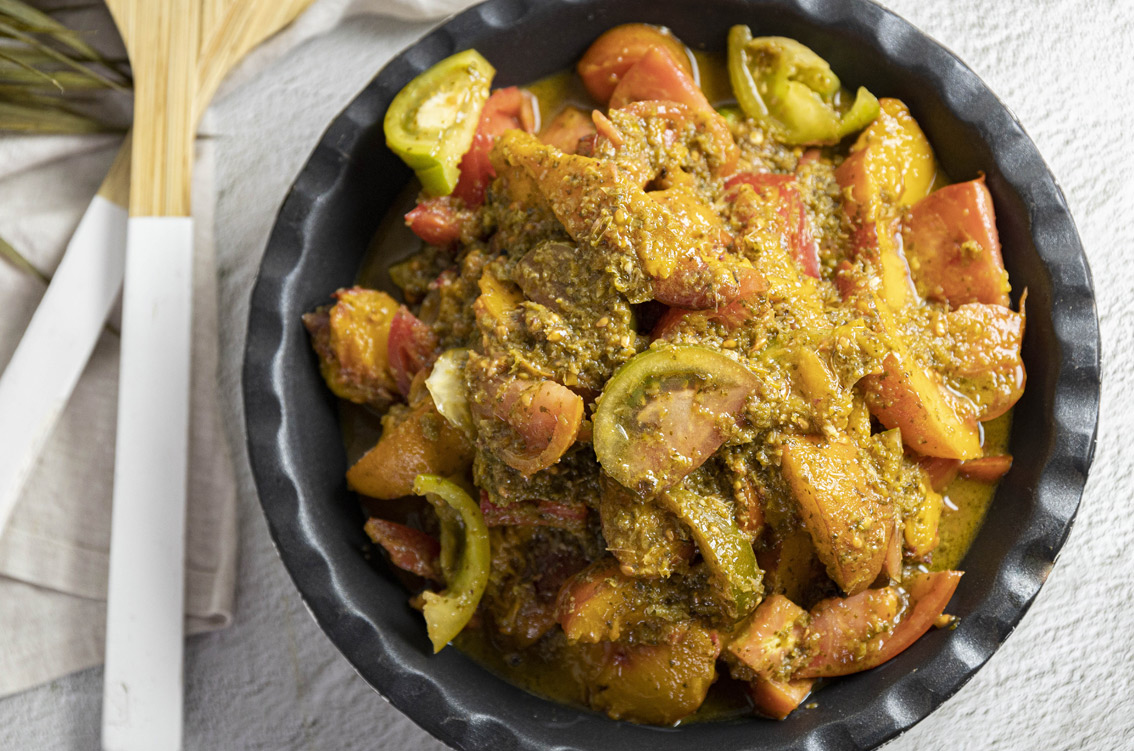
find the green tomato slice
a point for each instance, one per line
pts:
(792, 91)
(727, 552)
(665, 412)
(432, 121)
(465, 558)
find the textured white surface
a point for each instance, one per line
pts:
(1064, 678)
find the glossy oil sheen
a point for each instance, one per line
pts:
(319, 243)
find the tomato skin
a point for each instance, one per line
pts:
(411, 348)
(409, 549)
(777, 699)
(939, 471)
(567, 128)
(954, 248)
(783, 191)
(430, 128)
(730, 316)
(987, 468)
(436, 221)
(617, 50)
(845, 645)
(506, 109)
(536, 513)
(545, 416)
(658, 77)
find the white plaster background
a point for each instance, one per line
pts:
(1064, 678)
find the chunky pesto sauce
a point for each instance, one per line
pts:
(542, 669)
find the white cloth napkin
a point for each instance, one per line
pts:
(53, 555)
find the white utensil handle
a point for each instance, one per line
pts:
(142, 694)
(57, 343)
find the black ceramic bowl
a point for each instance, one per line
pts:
(320, 239)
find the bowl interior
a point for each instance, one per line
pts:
(321, 238)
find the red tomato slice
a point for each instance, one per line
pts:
(506, 109)
(939, 471)
(783, 191)
(852, 632)
(953, 246)
(410, 348)
(568, 127)
(534, 513)
(777, 699)
(436, 222)
(545, 415)
(616, 51)
(658, 77)
(767, 639)
(409, 549)
(987, 468)
(731, 316)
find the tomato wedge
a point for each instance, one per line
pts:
(861, 632)
(409, 549)
(616, 51)
(545, 417)
(665, 412)
(792, 91)
(432, 121)
(410, 348)
(437, 221)
(783, 192)
(506, 109)
(953, 246)
(659, 77)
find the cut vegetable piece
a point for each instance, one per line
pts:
(565, 130)
(665, 412)
(409, 549)
(791, 90)
(726, 550)
(783, 192)
(497, 298)
(980, 356)
(657, 683)
(920, 529)
(545, 417)
(846, 632)
(437, 222)
(506, 109)
(450, 391)
(862, 632)
(617, 50)
(601, 603)
(647, 540)
(777, 699)
(891, 165)
(657, 76)
(465, 559)
(953, 246)
(410, 348)
(987, 468)
(768, 641)
(790, 565)
(432, 121)
(350, 338)
(422, 443)
(841, 508)
(939, 472)
(908, 397)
